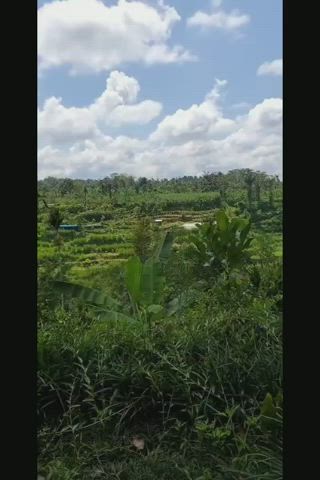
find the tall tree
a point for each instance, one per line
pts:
(270, 185)
(85, 193)
(66, 186)
(107, 186)
(54, 220)
(141, 184)
(249, 180)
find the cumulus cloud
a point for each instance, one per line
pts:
(205, 121)
(218, 19)
(273, 68)
(90, 36)
(90, 159)
(139, 114)
(187, 142)
(115, 107)
(58, 124)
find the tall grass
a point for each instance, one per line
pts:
(196, 385)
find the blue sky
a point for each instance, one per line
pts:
(225, 48)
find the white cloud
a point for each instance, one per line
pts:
(58, 124)
(219, 19)
(257, 143)
(90, 159)
(187, 142)
(141, 113)
(271, 68)
(115, 107)
(89, 36)
(199, 121)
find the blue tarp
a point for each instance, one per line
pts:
(70, 227)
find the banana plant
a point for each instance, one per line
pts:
(221, 243)
(144, 282)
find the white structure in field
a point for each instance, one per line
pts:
(191, 225)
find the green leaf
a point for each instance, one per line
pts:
(245, 231)
(152, 282)
(164, 249)
(133, 275)
(155, 309)
(175, 304)
(268, 409)
(115, 316)
(222, 220)
(85, 294)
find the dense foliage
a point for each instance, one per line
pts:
(160, 328)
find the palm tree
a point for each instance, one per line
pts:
(270, 186)
(85, 192)
(107, 186)
(249, 180)
(55, 219)
(260, 183)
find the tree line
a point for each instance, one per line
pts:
(254, 182)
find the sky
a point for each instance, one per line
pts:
(159, 88)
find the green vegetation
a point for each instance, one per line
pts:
(160, 348)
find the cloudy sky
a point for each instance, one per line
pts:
(159, 88)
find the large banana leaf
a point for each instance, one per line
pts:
(107, 306)
(152, 282)
(144, 281)
(133, 273)
(222, 220)
(111, 315)
(164, 249)
(244, 233)
(87, 295)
